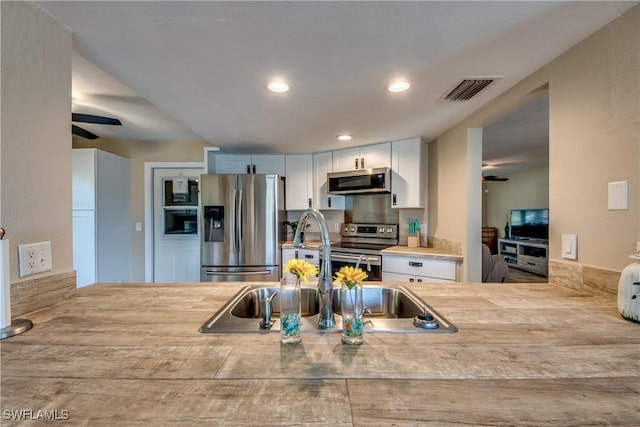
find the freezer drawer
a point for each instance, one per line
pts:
(240, 274)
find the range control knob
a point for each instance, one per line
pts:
(389, 230)
(381, 230)
(353, 229)
(346, 229)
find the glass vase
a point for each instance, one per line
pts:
(352, 310)
(290, 320)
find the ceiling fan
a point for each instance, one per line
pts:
(494, 178)
(89, 118)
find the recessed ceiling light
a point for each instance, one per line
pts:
(278, 86)
(398, 86)
(344, 137)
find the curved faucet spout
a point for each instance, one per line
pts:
(325, 282)
(366, 258)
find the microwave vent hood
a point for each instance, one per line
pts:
(376, 180)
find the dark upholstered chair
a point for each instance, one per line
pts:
(494, 268)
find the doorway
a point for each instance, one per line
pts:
(515, 170)
(172, 235)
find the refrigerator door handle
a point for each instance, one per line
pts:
(239, 222)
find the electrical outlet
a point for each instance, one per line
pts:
(34, 258)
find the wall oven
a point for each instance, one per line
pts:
(367, 240)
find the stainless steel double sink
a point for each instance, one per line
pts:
(393, 308)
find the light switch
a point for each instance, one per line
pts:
(619, 196)
(570, 246)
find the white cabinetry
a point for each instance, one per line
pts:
(299, 182)
(417, 269)
(366, 157)
(101, 217)
(409, 173)
(246, 163)
(322, 165)
(312, 256)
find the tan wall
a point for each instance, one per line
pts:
(35, 192)
(594, 113)
(139, 153)
(524, 190)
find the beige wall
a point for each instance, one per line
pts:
(594, 113)
(35, 184)
(140, 152)
(524, 190)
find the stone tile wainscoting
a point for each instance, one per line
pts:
(446, 245)
(599, 281)
(34, 294)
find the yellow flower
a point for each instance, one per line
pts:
(349, 276)
(300, 268)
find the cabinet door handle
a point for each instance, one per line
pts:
(394, 200)
(415, 264)
(356, 163)
(248, 169)
(308, 256)
(329, 201)
(412, 280)
(310, 202)
(361, 162)
(254, 169)
(419, 280)
(296, 255)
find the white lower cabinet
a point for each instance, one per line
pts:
(312, 256)
(417, 269)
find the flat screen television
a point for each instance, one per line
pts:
(529, 223)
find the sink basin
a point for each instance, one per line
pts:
(248, 305)
(393, 309)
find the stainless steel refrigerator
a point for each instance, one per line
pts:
(242, 227)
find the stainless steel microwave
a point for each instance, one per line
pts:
(376, 180)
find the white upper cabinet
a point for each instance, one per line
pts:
(366, 157)
(83, 184)
(299, 182)
(409, 173)
(247, 163)
(322, 165)
(268, 163)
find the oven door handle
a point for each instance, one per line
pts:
(373, 260)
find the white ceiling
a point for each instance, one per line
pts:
(184, 70)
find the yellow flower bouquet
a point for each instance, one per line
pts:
(351, 303)
(301, 269)
(349, 276)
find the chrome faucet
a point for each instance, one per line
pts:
(366, 258)
(325, 282)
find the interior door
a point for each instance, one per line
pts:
(176, 233)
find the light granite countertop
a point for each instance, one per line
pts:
(432, 253)
(131, 354)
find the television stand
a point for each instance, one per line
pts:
(529, 255)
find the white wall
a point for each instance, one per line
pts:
(594, 138)
(35, 184)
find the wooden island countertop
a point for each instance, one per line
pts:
(131, 354)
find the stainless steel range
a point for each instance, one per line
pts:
(363, 239)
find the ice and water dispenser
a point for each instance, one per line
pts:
(213, 223)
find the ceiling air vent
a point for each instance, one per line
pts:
(468, 87)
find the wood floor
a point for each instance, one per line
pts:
(521, 276)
